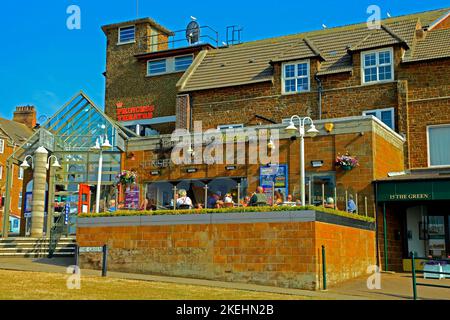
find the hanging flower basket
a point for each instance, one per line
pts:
(346, 162)
(126, 178)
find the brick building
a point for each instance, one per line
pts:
(13, 133)
(397, 73)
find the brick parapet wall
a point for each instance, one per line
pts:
(278, 253)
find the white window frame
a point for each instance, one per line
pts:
(2, 146)
(184, 56)
(1, 172)
(21, 173)
(129, 41)
(283, 76)
(170, 65)
(378, 116)
(377, 65)
(159, 73)
(19, 204)
(428, 146)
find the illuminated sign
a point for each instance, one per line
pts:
(134, 113)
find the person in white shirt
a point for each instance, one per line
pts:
(183, 201)
(228, 198)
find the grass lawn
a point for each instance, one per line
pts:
(19, 285)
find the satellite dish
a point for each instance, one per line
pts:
(193, 32)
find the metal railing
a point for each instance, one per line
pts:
(414, 275)
(177, 40)
(56, 232)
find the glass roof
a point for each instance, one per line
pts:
(76, 127)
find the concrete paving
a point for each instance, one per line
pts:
(394, 286)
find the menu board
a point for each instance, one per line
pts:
(274, 175)
(132, 197)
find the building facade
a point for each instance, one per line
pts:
(379, 94)
(397, 73)
(14, 133)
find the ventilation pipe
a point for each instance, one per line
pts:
(319, 91)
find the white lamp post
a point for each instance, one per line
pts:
(312, 132)
(100, 146)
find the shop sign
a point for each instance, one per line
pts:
(28, 208)
(230, 168)
(90, 249)
(134, 113)
(411, 196)
(155, 173)
(414, 190)
(191, 170)
(66, 213)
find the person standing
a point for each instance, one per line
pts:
(351, 206)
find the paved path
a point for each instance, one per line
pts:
(394, 286)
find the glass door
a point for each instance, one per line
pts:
(436, 236)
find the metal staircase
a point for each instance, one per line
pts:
(37, 247)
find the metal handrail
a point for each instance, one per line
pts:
(414, 273)
(56, 232)
(210, 37)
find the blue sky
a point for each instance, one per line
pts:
(44, 64)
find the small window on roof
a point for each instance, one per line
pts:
(182, 63)
(156, 67)
(127, 34)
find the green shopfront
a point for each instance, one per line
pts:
(413, 216)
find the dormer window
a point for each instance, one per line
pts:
(295, 77)
(377, 66)
(127, 34)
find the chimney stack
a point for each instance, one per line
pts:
(25, 115)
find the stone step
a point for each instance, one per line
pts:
(35, 254)
(36, 247)
(33, 244)
(71, 248)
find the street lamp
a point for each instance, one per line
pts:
(100, 146)
(55, 163)
(25, 165)
(312, 132)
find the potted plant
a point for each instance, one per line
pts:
(346, 162)
(126, 178)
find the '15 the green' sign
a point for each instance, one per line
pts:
(418, 190)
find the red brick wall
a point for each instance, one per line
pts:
(278, 254)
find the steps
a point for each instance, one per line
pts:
(35, 247)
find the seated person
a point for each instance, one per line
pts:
(228, 201)
(278, 198)
(112, 206)
(330, 203)
(214, 201)
(259, 198)
(245, 201)
(183, 201)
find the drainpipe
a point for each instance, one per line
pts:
(319, 91)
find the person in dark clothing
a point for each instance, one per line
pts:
(259, 198)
